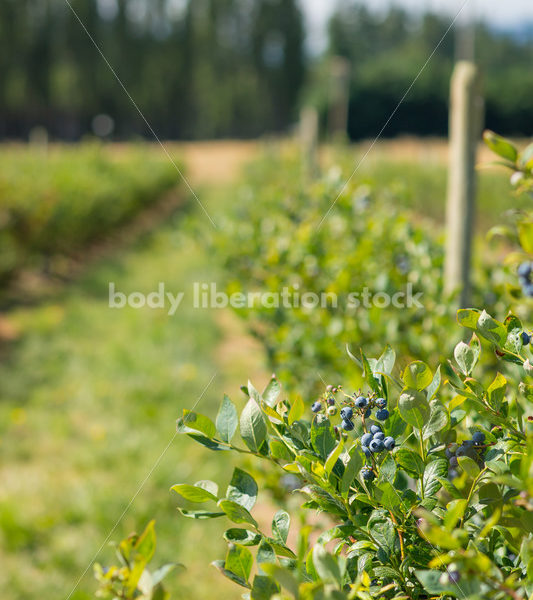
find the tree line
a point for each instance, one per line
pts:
(218, 68)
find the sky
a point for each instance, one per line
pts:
(501, 13)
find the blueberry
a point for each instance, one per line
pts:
(389, 442)
(381, 403)
(452, 474)
(525, 338)
(453, 461)
(382, 414)
(454, 576)
(361, 402)
(524, 270)
(374, 429)
(468, 443)
(366, 439)
(366, 451)
(317, 407)
(347, 425)
(376, 445)
(478, 437)
(461, 451)
(528, 289)
(368, 413)
(367, 474)
(449, 453)
(347, 412)
(331, 401)
(332, 410)
(379, 435)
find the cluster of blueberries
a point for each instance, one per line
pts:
(364, 407)
(374, 442)
(473, 448)
(525, 271)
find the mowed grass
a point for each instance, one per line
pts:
(89, 399)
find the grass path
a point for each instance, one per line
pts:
(88, 401)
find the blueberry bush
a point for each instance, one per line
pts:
(424, 475)
(276, 238)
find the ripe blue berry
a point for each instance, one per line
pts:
(374, 429)
(331, 401)
(361, 402)
(347, 412)
(366, 451)
(366, 439)
(381, 403)
(525, 338)
(347, 425)
(389, 442)
(317, 407)
(454, 576)
(524, 270)
(368, 413)
(376, 446)
(452, 474)
(367, 474)
(478, 437)
(382, 414)
(461, 451)
(454, 462)
(449, 453)
(379, 435)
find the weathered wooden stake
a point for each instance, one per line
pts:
(309, 141)
(466, 117)
(339, 96)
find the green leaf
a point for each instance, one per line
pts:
(466, 357)
(368, 374)
(325, 565)
(490, 329)
(469, 466)
(496, 391)
(410, 461)
(417, 375)
(414, 408)
(279, 450)
(200, 514)
(245, 537)
(193, 493)
(438, 419)
(280, 526)
(333, 457)
(253, 426)
(236, 513)
(242, 489)
(324, 500)
(265, 553)
(272, 391)
(227, 419)
(192, 422)
(383, 530)
(283, 576)
(468, 317)
(263, 588)
(435, 469)
(220, 565)
(500, 146)
(454, 511)
(208, 485)
(239, 561)
(297, 410)
(146, 542)
(434, 386)
(385, 362)
(352, 467)
(322, 436)
(208, 443)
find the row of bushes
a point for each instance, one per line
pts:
(285, 234)
(56, 202)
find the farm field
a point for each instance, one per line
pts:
(89, 395)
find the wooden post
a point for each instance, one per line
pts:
(309, 142)
(339, 96)
(466, 116)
